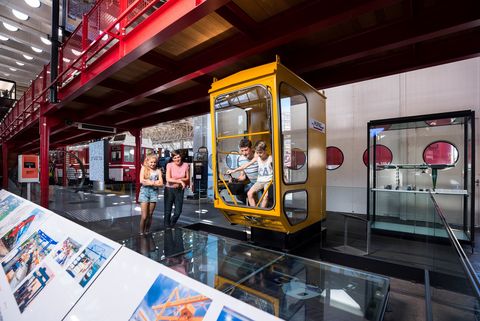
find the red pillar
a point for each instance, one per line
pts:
(44, 158)
(138, 157)
(5, 165)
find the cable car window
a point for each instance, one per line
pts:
(232, 160)
(334, 157)
(293, 108)
(120, 137)
(128, 154)
(116, 154)
(440, 153)
(440, 122)
(242, 114)
(295, 206)
(384, 155)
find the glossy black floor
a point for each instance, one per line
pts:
(403, 260)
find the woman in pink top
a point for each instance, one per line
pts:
(178, 177)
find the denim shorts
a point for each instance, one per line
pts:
(148, 194)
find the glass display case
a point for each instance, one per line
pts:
(411, 158)
(286, 286)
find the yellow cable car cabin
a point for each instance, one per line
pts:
(284, 120)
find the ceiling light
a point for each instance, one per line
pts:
(12, 69)
(3, 38)
(6, 74)
(36, 49)
(76, 52)
(46, 41)
(66, 59)
(33, 3)
(20, 15)
(27, 57)
(19, 63)
(105, 37)
(9, 27)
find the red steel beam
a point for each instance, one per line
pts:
(189, 96)
(44, 160)
(137, 133)
(444, 20)
(163, 23)
(309, 16)
(5, 165)
(423, 55)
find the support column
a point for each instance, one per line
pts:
(44, 159)
(138, 159)
(64, 167)
(5, 165)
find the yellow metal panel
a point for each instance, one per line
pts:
(241, 78)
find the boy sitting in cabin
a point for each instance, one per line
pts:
(265, 173)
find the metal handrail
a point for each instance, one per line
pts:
(466, 265)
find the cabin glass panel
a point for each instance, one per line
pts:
(128, 154)
(244, 113)
(295, 205)
(116, 154)
(293, 108)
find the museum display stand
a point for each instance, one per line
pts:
(413, 158)
(54, 269)
(287, 286)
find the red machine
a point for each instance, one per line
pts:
(121, 159)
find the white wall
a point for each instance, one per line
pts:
(449, 87)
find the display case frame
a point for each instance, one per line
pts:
(400, 188)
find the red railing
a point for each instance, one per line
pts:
(103, 26)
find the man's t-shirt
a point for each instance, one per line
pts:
(251, 171)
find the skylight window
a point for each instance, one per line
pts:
(46, 41)
(33, 3)
(10, 27)
(20, 15)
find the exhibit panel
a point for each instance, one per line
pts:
(134, 287)
(48, 259)
(412, 157)
(10, 209)
(56, 269)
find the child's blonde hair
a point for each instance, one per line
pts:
(147, 171)
(261, 145)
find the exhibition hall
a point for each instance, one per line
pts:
(239, 160)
